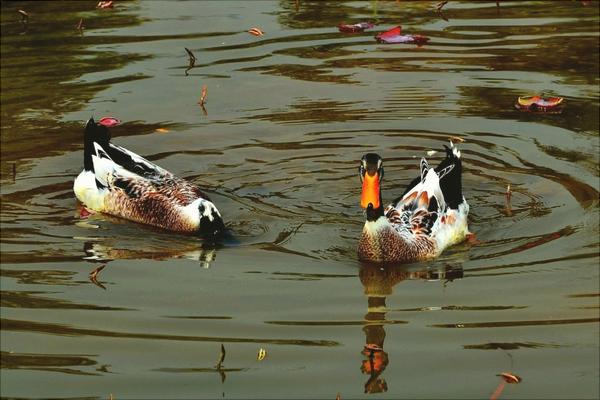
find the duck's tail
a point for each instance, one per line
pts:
(93, 133)
(451, 178)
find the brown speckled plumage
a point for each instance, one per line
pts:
(160, 207)
(121, 183)
(429, 216)
(387, 245)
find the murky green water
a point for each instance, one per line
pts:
(287, 118)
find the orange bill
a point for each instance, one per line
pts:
(370, 191)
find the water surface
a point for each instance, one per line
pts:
(288, 116)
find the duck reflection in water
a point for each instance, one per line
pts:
(204, 254)
(102, 253)
(378, 281)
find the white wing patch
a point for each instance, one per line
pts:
(430, 185)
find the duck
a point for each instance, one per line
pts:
(428, 217)
(119, 182)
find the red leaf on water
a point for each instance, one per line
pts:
(539, 103)
(510, 378)
(109, 121)
(394, 36)
(389, 34)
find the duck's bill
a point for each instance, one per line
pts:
(370, 191)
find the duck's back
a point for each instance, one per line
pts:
(119, 182)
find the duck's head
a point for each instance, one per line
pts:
(211, 224)
(371, 175)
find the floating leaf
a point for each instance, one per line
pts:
(457, 139)
(393, 36)
(109, 121)
(510, 378)
(539, 103)
(105, 4)
(262, 353)
(389, 34)
(203, 95)
(256, 31)
(24, 16)
(353, 28)
(162, 130)
(431, 152)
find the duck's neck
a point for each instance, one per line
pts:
(373, 214)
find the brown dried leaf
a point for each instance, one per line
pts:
(203, 95)
(256, 31)
(510, 378)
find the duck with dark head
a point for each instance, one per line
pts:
(430, 216)
(119, 182)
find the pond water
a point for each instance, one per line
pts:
(288, 115)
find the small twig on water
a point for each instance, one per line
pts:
(24, 17)
(80, 26)
(221, 358)
(192, 60)
(507, 196)
(440, 13)
(440, 5)
(94, 276)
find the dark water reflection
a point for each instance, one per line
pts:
(276, 145)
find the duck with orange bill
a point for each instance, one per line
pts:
(430, 215)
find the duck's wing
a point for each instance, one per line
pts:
(418, 210)
(137, 178)
(429, 196)
(136, 163)
(449, 173)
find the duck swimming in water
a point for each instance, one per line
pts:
(119, 182)
(430, 216)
